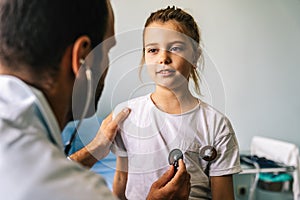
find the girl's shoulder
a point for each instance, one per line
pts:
(211, 112)
(216, 119)
(209, 108)
(136, 103)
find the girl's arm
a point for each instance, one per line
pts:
(222, 187)
(120, 178)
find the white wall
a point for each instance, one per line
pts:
(252, 56)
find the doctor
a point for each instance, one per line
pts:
(43, 44)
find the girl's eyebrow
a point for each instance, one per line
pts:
(151, 44)
(171, 43)
(176, 42)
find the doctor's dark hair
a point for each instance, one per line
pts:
(185, 24)
(36, 33)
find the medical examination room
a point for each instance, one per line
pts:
(231, 113)
(251, 73)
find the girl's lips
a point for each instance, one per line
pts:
(165, 71)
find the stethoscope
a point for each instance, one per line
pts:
(207, 153)
(88, 74)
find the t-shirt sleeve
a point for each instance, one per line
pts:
(118, 147)
(228, 158)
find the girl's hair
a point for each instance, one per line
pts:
(185, 24)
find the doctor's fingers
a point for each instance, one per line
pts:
(160, 189)
(164, 179)
(181, 181)
(109, 125)
(182, 173)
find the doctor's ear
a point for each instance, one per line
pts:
(81, 48)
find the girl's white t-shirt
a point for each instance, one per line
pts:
(148, 135)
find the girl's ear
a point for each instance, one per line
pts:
(81, 48)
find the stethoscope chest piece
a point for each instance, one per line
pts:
(208, 153)
(174, 156)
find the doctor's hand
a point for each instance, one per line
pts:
(109, 126)
(170, 186)
(99, 147)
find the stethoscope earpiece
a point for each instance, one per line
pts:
(208, 153)
(81, 61)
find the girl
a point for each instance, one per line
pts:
(171, 117)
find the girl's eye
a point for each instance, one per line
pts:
(176, 49)
(152, 50)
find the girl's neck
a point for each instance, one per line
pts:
(173, 102)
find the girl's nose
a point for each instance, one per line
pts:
(164, 57)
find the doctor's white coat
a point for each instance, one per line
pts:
(32, 162)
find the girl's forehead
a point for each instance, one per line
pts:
(164, 31)
(170, 24)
